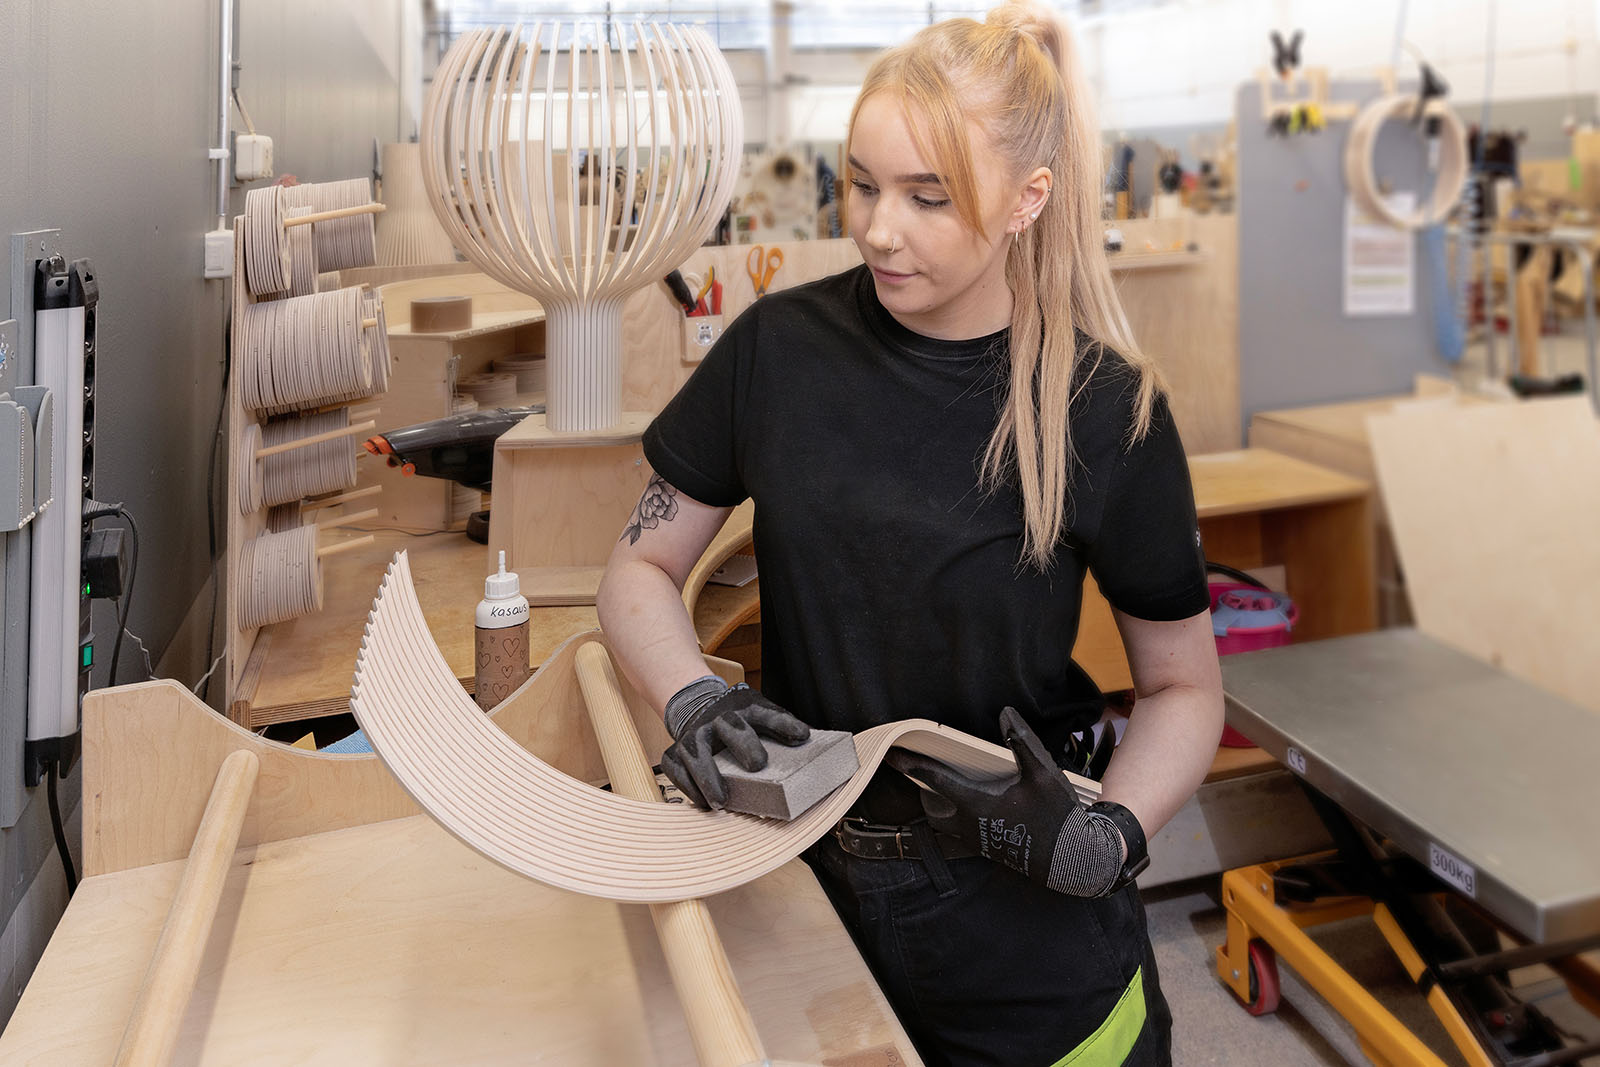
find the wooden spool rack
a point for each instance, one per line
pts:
(245, 646)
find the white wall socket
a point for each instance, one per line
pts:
(219, 254)
(252, 157)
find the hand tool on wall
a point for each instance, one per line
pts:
(762, 265)
(680, 291)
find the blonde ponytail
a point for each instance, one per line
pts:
(1017, 77)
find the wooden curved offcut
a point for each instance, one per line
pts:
(522, 813)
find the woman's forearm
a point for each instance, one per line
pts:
(1165, 753)
(651, 635)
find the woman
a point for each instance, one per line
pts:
(940, 444)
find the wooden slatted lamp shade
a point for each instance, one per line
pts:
(576, 163)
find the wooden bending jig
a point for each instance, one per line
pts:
(518, 810)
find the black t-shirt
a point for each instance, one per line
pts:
(892, 585)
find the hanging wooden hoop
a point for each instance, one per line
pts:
(523, 814)
(1360, 178)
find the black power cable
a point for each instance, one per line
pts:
(211, 505)
(60, 830)
(1213, 567)
(125, 599)
(95, 509)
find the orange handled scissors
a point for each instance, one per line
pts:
(761, 266)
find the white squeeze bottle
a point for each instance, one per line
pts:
(500, 648)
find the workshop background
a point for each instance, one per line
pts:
(107, 153)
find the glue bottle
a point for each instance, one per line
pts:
(500, 648)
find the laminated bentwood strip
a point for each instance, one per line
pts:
(522, 813)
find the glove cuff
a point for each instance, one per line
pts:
(1087, 857)
(684, 708)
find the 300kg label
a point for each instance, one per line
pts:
(1453, 870)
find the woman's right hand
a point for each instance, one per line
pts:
(704, 720)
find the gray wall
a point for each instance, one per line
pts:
(1296, 346)
(108, 112)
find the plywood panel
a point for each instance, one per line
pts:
(1495, 510)
(563, 507)
(151, 753)
(652, 347)
(1187, 318)
(394, 944)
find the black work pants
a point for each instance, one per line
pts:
(984, 967)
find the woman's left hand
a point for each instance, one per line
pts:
(1033, 823)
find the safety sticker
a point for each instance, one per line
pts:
(1453, 869)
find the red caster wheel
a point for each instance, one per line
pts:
(1264, 994)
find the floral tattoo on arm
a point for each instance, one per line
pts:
(659, 504)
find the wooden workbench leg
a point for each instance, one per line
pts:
(152, 1031)
(724, 1035)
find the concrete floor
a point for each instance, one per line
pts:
(1210, 1027)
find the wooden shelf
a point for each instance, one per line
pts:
(534, 432)
(1157, 260)
(1257, 479)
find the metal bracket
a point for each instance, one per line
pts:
(17, 564)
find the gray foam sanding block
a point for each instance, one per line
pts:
(794, 778)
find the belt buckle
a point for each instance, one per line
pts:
(860, 825)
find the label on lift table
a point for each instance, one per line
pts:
(1296, 760)
(1453, 869)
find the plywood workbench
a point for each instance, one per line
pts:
(351, 930)
(303, 667)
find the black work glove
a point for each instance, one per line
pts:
(707, 716)
(1033, 823)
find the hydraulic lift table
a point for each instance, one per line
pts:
(1438, 775)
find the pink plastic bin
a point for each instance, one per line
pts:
(1279, 615)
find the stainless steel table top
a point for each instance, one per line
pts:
(1492, 782)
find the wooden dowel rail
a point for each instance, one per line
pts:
(152, 1031)
(341, 498)
(345, 546)
(348, 520)
(316, 439)
(720, 1025)
(335, 213)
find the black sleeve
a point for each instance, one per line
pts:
(695, 442)
(1147, 557)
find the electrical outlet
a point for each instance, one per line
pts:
(252, 157)
(219, 254)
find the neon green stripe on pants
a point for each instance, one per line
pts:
(1110, 1044)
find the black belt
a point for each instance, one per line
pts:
(878, 841)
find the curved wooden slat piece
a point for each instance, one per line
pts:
(517, 810)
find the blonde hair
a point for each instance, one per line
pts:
(1015, 76)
